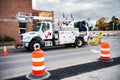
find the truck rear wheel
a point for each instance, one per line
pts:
(79, 42)
(34, 45)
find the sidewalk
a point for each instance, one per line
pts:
(8, 47)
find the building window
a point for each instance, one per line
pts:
(22, 27)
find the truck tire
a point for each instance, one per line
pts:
(34, 45)
(79, 42)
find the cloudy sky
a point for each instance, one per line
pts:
(80, 9)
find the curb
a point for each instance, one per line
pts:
(8, 47)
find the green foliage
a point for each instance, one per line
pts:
(114, 24)
(8, 39)
(114, 19)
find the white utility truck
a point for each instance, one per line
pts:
(50, 34)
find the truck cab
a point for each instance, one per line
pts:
(34, 39)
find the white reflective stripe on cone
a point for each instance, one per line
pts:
(5, 48)
(38, 68)
(105, 49)
(37, 59)
(105, 55)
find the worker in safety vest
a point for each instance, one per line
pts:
(100, 36)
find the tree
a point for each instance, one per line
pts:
(101, 24)
(114, 23)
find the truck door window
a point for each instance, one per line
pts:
(48, 26)
(45, 27)
(36, 27)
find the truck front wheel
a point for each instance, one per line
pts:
(34, 45)
(79, 42)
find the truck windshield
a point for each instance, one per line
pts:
(37, 27)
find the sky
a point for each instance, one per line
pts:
(80, 9)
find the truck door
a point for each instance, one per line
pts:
(46, 31)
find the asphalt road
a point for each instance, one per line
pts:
(18, 62)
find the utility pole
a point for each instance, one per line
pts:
(113, 26)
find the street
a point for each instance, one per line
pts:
(18, 62)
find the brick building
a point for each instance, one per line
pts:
(10, 24)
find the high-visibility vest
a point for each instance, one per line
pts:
(100, 36)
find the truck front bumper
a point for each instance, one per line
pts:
(24, 44)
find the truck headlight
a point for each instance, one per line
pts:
(27, 38)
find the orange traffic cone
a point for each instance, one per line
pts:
(38, 66)
(5, 53)
(101, 43)
(105, 52)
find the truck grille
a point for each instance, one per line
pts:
(21, 37)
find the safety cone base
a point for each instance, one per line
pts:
(30, 76)
(105, 60)
(5, 54)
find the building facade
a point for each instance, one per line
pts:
(13, 20)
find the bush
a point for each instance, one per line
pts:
(8, 39)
